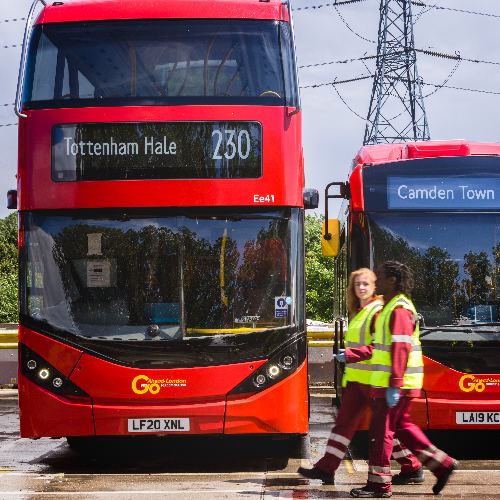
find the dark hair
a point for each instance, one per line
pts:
(402, 273)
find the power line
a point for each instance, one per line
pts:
(11, 20)
(349, 28)
(452, 72)
(456, 57)
(345, 61)
(347, 105)
(421, 4)
(414, 2)
(335, 82)
(8, 125)
(328, 5)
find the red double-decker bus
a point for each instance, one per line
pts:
(434, 206)
(161, 205)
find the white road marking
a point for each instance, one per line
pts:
(124, 492)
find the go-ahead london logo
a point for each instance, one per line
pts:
(143, 384)
(469, 383)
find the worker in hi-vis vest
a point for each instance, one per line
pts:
(396, 377)
(363, 307)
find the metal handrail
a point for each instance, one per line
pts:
(22, 68)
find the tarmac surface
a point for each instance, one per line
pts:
(190, 467)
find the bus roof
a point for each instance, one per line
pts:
(384, 153)
(96, 10)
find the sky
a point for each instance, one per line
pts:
(332, 131)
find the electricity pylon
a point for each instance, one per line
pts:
(397, 112)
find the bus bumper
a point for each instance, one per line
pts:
(464, 414)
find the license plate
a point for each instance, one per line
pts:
(158, 424)
(478, 417)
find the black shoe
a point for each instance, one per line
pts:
(441, 482)
(367, 492)
(316, 473)
(417, 476)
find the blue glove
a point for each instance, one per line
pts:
(340, 357)
(392, 396)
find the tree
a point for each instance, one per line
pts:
(320, 273)
(8, 269)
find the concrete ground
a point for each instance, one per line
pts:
(189, 468)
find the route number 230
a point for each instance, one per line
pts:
(239, 143)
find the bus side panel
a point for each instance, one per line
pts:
(43, 414)
(356, 188)
(450, 391)
(62, 357)
(291, 158)
(281, 409)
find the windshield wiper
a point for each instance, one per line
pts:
(464, 329)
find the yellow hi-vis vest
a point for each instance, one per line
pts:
(381, 359)
(358, 335)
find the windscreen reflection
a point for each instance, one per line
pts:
(455, 259)
(165, 278)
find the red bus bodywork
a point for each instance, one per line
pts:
(118, 392)
(451, 398)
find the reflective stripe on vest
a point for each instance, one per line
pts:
(381, 368)
(359, 335)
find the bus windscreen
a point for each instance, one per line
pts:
(455, 259)
(217, 285)
(160, 62)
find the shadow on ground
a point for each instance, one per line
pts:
(175, 454)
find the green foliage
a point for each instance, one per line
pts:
(320, 273)
(8, 297)
(8, 244)
(8, 269)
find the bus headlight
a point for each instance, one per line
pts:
(287, 361)
(42, 373)
(57, 382)
(280, 365)
(259, 380)
(273, 371)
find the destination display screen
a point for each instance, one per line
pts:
(443, 192)
(156, 150)
(446, 184)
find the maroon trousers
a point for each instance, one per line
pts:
(355, 401)
(387, 422)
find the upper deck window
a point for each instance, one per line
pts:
(160, 62)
